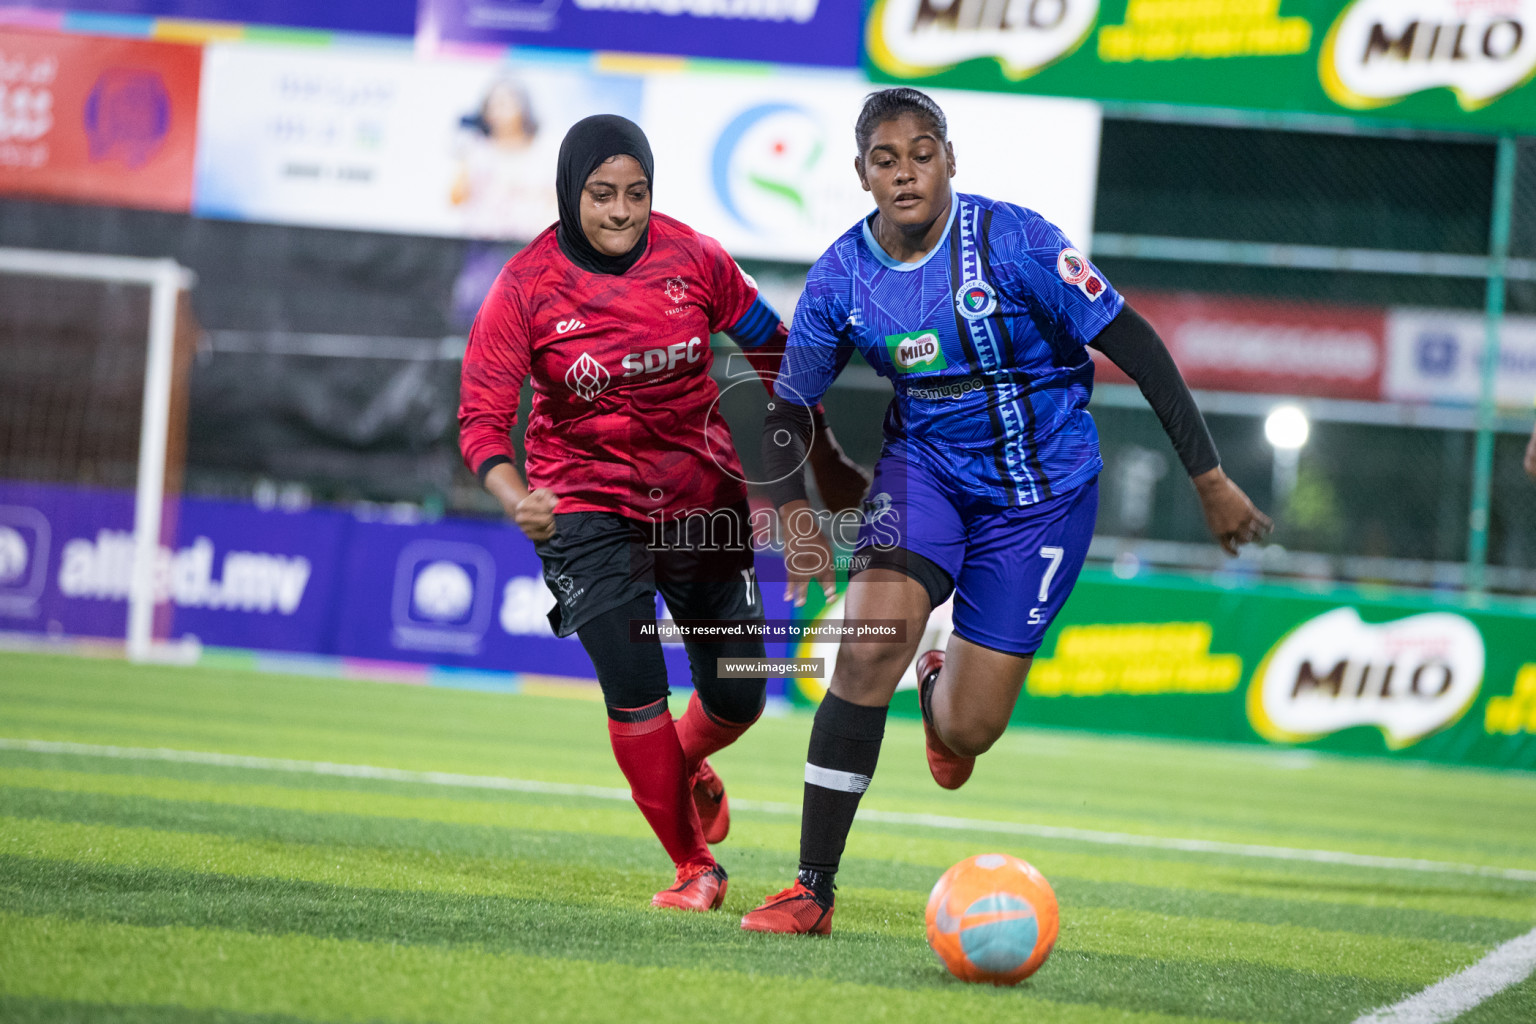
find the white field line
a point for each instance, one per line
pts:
(936, 821)
(1445, 1000)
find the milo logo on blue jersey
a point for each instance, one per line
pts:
(915, 351)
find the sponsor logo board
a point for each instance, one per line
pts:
(824, 32)
(89, 119)
(25, 537)
(1137, 658)
(100, 568)
(386, 142)
(1379, 52)
(1409, 678)
(915, 37)
(1441, 63)
(1253, 345)
(382, 17)
(464, 594)
(1437, 356)
(763, 162)
(1515, 713)
(443, 596)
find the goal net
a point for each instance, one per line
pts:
(94, 359)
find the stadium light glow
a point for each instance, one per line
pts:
(1287, 428)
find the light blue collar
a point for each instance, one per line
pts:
(878, 251)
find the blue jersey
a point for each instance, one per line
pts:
(983, 340)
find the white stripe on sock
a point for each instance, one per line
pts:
(830, 778)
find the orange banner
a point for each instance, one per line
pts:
(98, 120)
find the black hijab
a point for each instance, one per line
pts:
(589, 142)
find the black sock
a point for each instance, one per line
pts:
(845, 747)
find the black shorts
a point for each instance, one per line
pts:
(701, 564)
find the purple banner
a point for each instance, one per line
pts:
(822, 32)
(385, 17)
(457, 593)
(460, 593)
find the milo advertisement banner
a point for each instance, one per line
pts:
(1404, 677)
(1464, 64)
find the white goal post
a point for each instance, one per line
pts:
(165, 279)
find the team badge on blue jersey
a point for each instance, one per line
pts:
(976, 299)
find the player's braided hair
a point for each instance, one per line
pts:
(889, 104)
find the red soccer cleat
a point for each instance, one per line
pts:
(948, 768)
(795, 911)
(709, 798)
(698, 887)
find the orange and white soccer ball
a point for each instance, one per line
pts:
(992, 918)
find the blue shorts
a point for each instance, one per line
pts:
(1012, 568)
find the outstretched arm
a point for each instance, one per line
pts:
(1131, 344)
(788, 436)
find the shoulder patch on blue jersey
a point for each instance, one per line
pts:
(1075, 270)
(1072, 267)
(976, 299)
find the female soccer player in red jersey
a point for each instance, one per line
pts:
(633, 485)
(980, 313)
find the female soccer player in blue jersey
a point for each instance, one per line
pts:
(979, 312)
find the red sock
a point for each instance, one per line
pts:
(651, 758)
(701, 734)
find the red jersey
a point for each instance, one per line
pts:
(624, 410)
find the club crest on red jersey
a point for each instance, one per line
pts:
(676, 289)
(587, 377)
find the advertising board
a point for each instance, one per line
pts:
(1460, 64)
(823, 32)
(1410, 677)
(1228, 343)
(381, 17)
(764, 163)
(1436, 355)
(460, 594)
(97, 120)
(385, 142)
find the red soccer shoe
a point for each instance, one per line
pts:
(795, 911)
(709, 799)
(948, 768)
(698, 887)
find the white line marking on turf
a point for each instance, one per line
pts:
(346, 771)
(938, 821)
(1445, 1000)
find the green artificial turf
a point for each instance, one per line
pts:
(142, 889)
